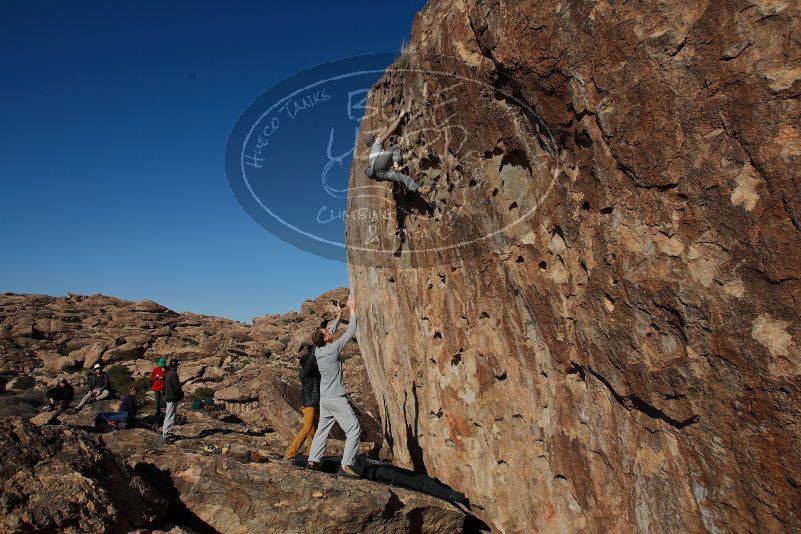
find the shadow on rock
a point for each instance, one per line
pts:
(177, 511)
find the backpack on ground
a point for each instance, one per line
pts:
(110, 421)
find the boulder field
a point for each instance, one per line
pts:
(69, 478)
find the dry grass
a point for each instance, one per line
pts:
(25, 404)
(405, 59)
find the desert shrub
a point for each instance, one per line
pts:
(203, 393)
(143, 383)
(122, 380)
(23, 382)
(405, 57)
(120, 377)
(23, 404)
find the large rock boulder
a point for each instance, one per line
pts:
(232, 496)
(52, 479)
(593, 324)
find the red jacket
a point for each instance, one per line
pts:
(157, 376)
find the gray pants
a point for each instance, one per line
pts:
(382, 169)
(336, 410)
(169, 419)
(93, 395)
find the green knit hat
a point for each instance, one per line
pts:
(162, 362)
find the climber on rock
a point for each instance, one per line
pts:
(383, 165)
(334, 405)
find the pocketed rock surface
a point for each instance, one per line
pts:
(592, 324)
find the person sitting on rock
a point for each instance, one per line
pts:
(334, 405)
(157, 377)
(173, 394)
(128, 405)
(99, 387)
(383, 165)
(59, 398)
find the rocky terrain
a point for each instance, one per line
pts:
(251, 370)
(69, 478)
(66, 479)
(54, 479)
(592, 324)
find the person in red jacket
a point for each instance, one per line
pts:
(157, 376)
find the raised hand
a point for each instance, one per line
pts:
(352, 304)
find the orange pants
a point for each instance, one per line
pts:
(311, 416)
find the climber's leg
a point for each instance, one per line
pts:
(327, 421)
(349, 423)
(397, 177)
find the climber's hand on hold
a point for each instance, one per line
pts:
(352, 304)
(338, 305)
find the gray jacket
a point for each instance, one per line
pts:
(332, 383)
(102, 382)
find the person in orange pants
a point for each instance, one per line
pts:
(310, 404)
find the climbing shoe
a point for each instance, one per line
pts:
(347, 472)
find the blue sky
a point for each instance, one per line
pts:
(113, 124)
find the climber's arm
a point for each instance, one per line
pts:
(340, 343)
(392, 127)
(332, 327)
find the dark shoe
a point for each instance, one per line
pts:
(347, 472)
(314, 466)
